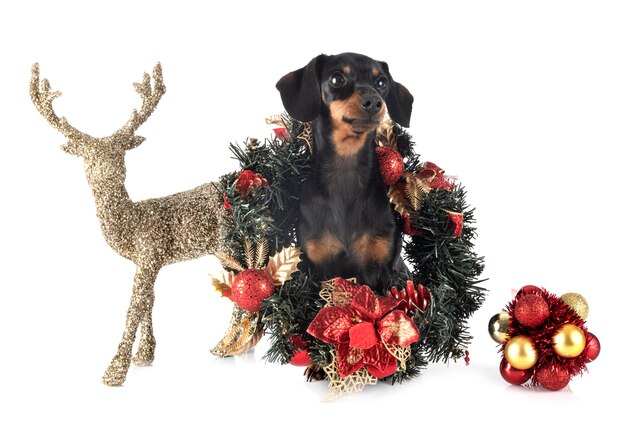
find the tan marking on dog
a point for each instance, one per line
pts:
(322, 249)
(370, 248)
(345, 140)
(347, 69)
(375, 72)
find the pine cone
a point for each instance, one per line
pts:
(412, 300)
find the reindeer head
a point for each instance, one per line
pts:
(104, 156)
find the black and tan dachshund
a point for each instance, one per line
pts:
(346, 225)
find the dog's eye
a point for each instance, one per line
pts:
(381, 83)
(337, 80)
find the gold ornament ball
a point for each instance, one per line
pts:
(569, 341)
(576, 302)
(499, 327)
(520, 352)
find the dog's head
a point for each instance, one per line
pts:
(355, 91)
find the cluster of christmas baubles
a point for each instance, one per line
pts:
(544, 338)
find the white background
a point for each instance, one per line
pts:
(524, 101)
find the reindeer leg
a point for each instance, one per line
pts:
(145, 353)
(143, 293)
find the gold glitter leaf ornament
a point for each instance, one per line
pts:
(151, 233)
(398, 199)
(416, 189)
(223, 282)
(243, 333)
(282, 265)
(306, 135)
(351, 384)
(384, 133)
(245, 328)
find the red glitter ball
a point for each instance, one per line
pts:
(512, 375)
(390, 164)
(552, 378)
(250, 288)
(531, 310)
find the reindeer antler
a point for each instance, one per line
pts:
(150, 97)
(42, 97)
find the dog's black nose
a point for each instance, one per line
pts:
(372, 103)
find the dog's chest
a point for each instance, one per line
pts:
(346, 201)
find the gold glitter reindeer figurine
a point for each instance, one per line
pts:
(151, 233)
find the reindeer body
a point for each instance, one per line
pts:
(184, 224)
(151, 233)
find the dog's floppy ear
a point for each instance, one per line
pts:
(399, 100)
(300, 91)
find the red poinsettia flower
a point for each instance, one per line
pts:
(362, 325)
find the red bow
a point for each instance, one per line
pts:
(456, 218)
(282, 133)
(435, 177)
(407, 228)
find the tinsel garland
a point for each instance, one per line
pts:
(438, 246)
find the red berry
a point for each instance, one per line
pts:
(247, 180)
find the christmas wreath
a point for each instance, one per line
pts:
(340, 330)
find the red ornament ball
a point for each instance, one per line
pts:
(528, 289)
(390, 164)
(301, 354)
(512, 375)
(250, 288)
(531, 310)
(552, 378)
(593, 348)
